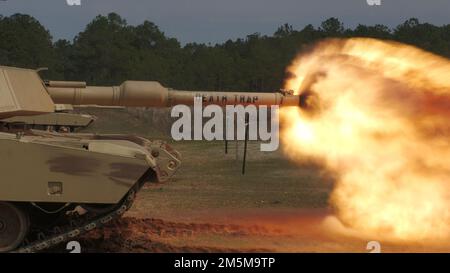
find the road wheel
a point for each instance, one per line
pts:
(14, 226)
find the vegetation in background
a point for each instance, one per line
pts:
(109, 51)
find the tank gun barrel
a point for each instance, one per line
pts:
(153, 94)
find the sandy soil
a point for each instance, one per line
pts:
(247, 231)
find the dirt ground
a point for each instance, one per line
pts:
(209, 206)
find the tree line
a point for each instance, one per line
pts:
(109, 51)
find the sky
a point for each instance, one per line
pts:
(215, 21)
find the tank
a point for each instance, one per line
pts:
(59, 185)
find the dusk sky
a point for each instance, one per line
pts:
(218, 20)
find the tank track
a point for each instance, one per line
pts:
(75, 230)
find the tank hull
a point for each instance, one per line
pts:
(75, 168)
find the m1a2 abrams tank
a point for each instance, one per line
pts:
(56, 186)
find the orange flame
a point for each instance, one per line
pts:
(377, 114)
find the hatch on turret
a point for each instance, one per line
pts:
(22, 93)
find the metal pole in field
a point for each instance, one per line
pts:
(245, 142)
(225, 134)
